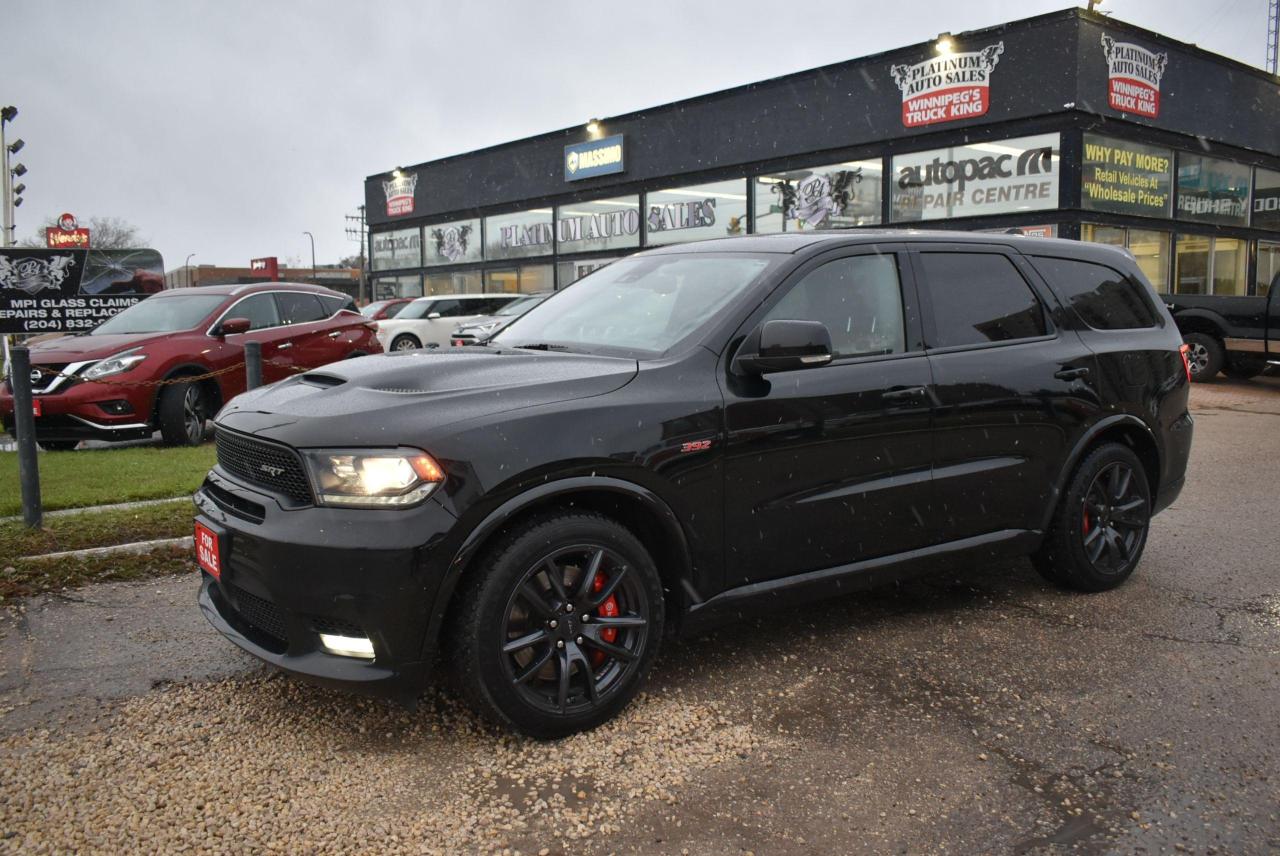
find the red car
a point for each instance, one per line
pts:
(381, 309)
(103, 385)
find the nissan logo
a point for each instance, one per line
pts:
(270, 470)
(36, 375)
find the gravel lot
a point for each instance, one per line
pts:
(976, 710)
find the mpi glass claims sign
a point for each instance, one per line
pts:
(1133, 77)
(979, 178)
(44, 291)
(597, 157)
(947, 88)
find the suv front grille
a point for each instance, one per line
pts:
(275, 467)
(261, 613)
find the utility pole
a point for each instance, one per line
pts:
(358, 230)
(1273, 35)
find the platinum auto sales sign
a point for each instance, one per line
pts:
(399, 192)
(1133, 77)
(947, 88)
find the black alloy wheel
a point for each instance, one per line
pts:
(556, 624)
(182, 412)
(1114, 519)
(193, 414)
(1100, 527)
(576, 626)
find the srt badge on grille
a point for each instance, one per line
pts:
(270, 470)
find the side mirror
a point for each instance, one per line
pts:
(231, 326)
(784, 345)
(431, 316)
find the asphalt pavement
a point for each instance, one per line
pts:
(976, 710)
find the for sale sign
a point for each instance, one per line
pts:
(947, 88)
(1133, 77)
(43, 290)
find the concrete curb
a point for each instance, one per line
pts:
(135, 548)
(89, 509)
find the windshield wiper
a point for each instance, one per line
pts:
(541, 346)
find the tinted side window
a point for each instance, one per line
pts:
(858, 298)
(1105, 299)
(490, 306)
(978, 298)
(332, 303)
(260, 309)
(297, 308)
(452, 308)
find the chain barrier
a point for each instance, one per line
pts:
(48, 375)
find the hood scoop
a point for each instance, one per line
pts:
(324, 381)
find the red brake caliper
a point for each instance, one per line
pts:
(608, 609)
(1085, 519)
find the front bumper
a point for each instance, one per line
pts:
(288, 574)
(87, 411)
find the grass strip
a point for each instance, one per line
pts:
(106, 476)
(30, 578)
(95, 529)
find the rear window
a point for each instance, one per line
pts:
(1105, 299)
(333, 303)
(299, 308)
(979, 298)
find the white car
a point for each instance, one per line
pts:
(428, 321)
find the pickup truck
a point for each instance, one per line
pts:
(1238, 336)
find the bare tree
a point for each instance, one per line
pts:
(105, 233)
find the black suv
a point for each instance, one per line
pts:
(687, 435)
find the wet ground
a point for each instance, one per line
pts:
(974, 710)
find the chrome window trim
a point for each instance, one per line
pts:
(209, 331)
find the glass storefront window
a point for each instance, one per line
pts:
(1150, 248)
(1211, 265)
(387, 287)
(1268, 266)
(523, 280)
(696, 213)
(1212, 190)
(822, 197)
(1266, 199)
(452, 243)
(524, 233)
(505, 281)
(454, 282)
(602, 224)
(401, 248)
(571, 272)
(998, 177)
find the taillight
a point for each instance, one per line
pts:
(1185, 350)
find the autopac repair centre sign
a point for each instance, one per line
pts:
(998, 177)
(596, 157)
(66, 290)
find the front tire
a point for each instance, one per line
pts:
(1207, 356)
(182, 413)
(557, 625)
(405, 342)
(1100, 527)
(1244, 368)
(59, 445)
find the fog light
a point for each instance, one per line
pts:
(118, 407)
(347, 646)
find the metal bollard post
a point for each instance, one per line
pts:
(25, 427)
(252, 365)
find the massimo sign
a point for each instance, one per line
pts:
(596, 157)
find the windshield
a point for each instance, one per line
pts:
(416, 309)
(161, 315)
(372, 309)
(519, 307)
(644, 303)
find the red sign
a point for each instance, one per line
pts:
(66, 234)
(268, 267)
(1133, 77)
(207, 554)
(399, 192)
(947, 88)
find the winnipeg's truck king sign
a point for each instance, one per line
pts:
(947, 88)
(1133, 77)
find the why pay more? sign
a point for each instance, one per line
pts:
(68, 290)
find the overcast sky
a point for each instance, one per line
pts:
(226, 128)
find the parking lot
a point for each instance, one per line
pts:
(974, 710)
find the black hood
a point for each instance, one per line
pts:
(399, 398)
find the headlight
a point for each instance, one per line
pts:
(373, 478)
(114, 364)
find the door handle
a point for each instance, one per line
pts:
(335, 334)
(908, 394)
(284, 347)
(1075, 373)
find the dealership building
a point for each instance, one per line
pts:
(1069, 124)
